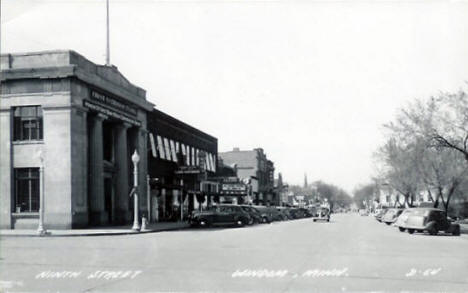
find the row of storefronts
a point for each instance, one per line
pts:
(69, 129)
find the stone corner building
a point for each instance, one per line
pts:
(81, 122)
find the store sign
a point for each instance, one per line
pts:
(187, 170)
(112, 102)
(227, 179)
(110, 113)
(234, 187)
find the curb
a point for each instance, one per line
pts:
(95, 234)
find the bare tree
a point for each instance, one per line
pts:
(400, 168)
(442, 121)
(427, 148)
(443, 171)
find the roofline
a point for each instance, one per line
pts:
(184, 124)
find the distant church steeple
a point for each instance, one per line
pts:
(305, 181)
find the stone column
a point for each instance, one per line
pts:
(96, 171)
(121, 164)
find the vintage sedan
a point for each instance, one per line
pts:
(400, 221)
(378, 215)
(322, 214)
(253, 212)
(221, 215)
(265, 213)
(391, 215)
(429, 220)
(284, 212)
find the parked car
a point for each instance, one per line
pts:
(400, 221)
(429, 220)
(264, 213)
(322, 214)
(275, 214)
(363, 212)
(285, 215)
(253, 212)
(221, 215)
(391, 215)
(378, 216)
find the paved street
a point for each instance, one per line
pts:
(349, 254)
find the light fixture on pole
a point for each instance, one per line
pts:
(135, 160)
(40, 229)
(181, 199)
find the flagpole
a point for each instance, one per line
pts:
(107, 32)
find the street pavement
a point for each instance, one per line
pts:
(352, 253)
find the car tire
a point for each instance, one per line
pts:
(388, 223)
(456, 231)
(432, 230)
(411, 231)
(401, 229)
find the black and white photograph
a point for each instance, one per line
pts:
(233, 146)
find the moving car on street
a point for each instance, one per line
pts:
(322, 214)
(429, 220)
(223, 214)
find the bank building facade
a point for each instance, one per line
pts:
(70, 127)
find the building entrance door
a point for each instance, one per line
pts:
(109, 199)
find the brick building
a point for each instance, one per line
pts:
(255, 164)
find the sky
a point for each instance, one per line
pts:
(310, 82)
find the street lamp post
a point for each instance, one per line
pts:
(135, 160)
(40, 228)
(181, 199)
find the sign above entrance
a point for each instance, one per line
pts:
(112, 103)
(188, 170)
(111, 113)
(233, 187)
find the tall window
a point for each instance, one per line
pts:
(26, 190)
(27, 123)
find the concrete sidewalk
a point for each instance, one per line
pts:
(97, 231)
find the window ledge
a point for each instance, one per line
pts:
(23, 142)
(25, 215)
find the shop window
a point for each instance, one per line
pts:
(27, 123)
(26, 190)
